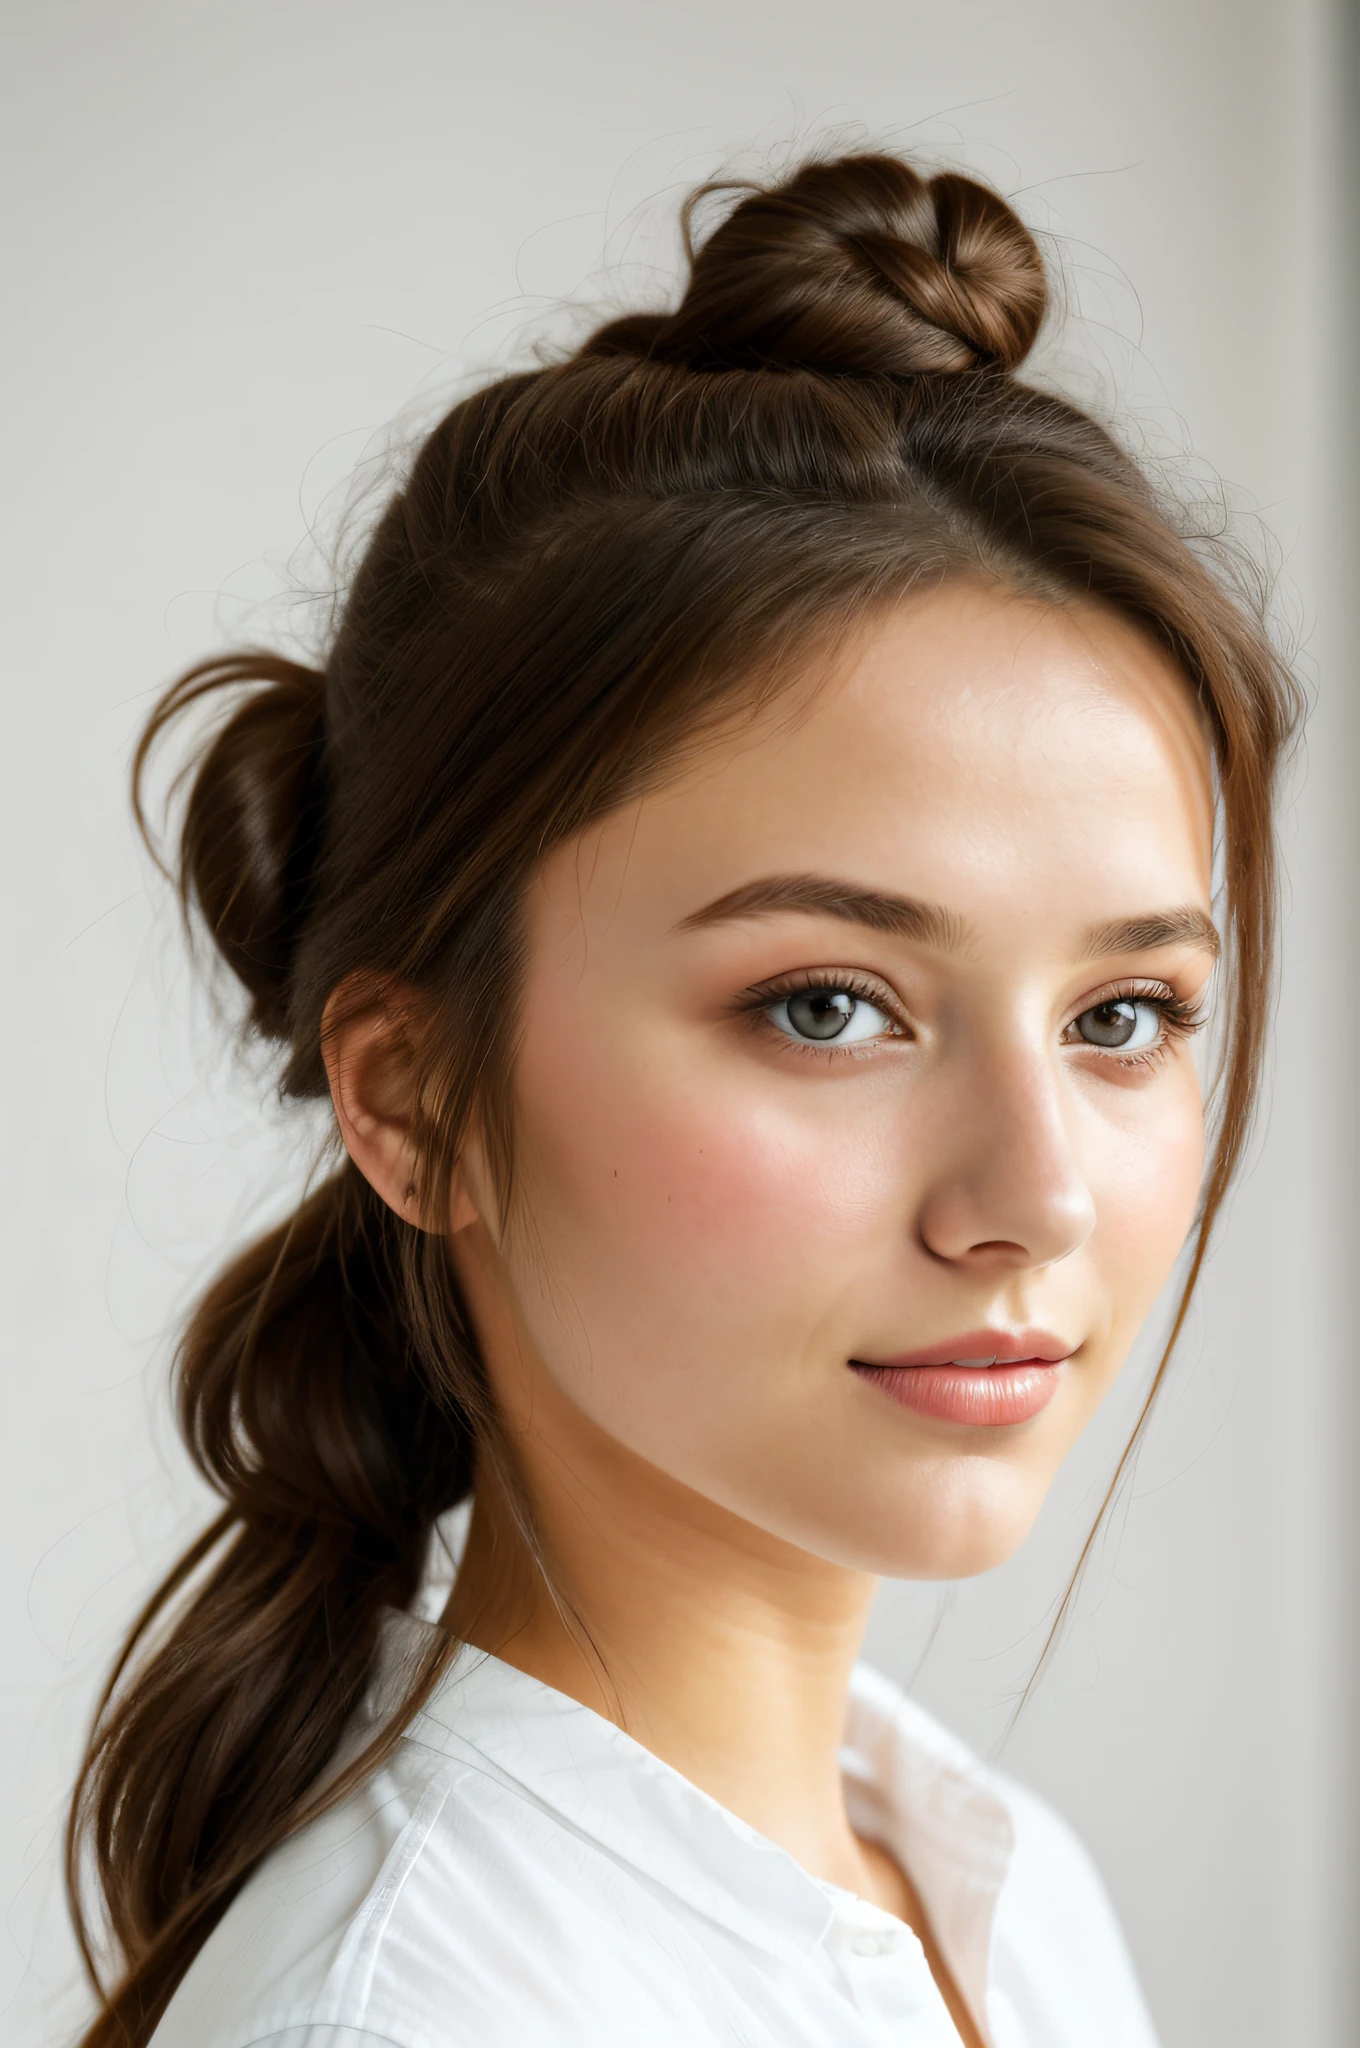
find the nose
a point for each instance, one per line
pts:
(1008, 1190)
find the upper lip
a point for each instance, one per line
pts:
(999, 1347)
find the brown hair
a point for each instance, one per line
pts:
(587, 565)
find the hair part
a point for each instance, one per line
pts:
(589, 568)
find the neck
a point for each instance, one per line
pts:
(723, 1650)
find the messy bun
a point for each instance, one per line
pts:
(253, 820)
(863, 266)
(586, 565)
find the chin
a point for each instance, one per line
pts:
(967, 1556)
(956, 1537)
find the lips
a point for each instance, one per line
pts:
(981, 1349)
(983, 1378)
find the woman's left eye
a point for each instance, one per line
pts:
(830, 1015)
(1123, 1024)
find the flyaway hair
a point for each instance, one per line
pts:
(589, 565)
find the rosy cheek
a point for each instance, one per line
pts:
(737, 1186)
(1147, 1190)
(725, 1185)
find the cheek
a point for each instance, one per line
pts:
(1146, 1173)
(690, 1235)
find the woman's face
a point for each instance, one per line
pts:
(867, 1041)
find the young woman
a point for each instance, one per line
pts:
(745, 876)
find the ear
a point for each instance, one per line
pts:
(368, 1041)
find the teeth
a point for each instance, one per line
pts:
(974, 1361)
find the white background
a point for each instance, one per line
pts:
(241, 238)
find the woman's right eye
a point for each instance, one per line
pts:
(830, 1015)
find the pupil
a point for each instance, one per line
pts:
(1110, 1023)
(821, 1012)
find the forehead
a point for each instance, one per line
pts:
(976, 748)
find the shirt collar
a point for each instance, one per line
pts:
(928, 1799)
(908, 1783)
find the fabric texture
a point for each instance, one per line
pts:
(522, 1874)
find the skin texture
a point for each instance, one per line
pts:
(712, 1218)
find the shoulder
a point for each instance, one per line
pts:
(1056, 1954)
(435, 1907)
(1052, 1871)
(279, 1959)
(1057, 1928)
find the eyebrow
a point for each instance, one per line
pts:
(1189, 926)
(819, 896)
(930, 924)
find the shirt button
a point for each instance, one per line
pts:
(871, 1944)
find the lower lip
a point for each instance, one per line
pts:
(985, 1395)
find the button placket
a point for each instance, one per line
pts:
(873, 1944)
(888, 1977)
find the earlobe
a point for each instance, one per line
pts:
(370, 1066)
(368, 1045)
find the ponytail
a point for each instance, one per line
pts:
(252, 828)
(306, 1406)
(584, 568)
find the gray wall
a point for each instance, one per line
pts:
(241, 238)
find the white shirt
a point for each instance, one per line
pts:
(522, 1874)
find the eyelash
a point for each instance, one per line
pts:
(1180, 1018)
(757, 1003)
